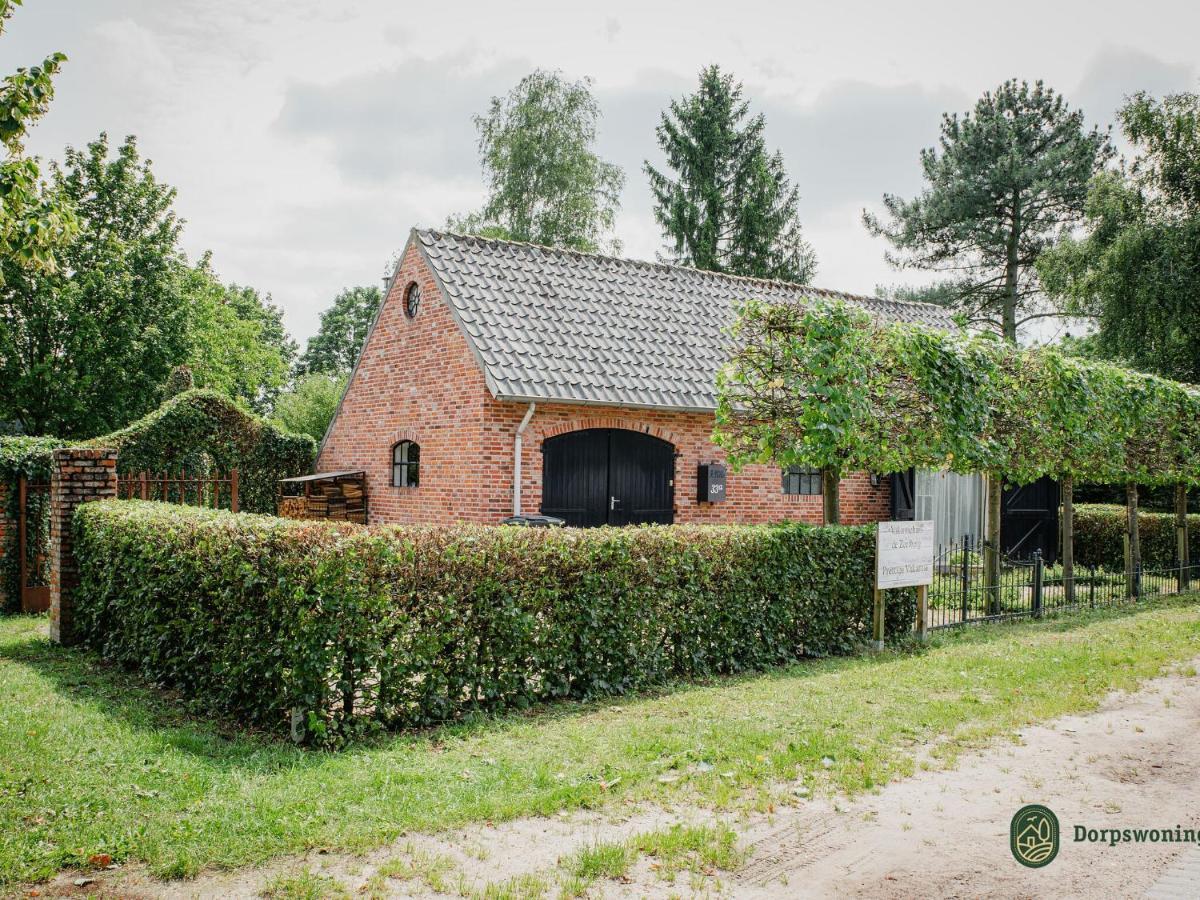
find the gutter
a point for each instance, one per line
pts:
(516, 504)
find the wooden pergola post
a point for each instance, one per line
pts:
(1133, 543)
(1183, 551)
(1068, 538)
(831, 504)
(991, 546)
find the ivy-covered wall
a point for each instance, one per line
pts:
(201, 430)
(193, 432)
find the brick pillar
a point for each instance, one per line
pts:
(78, 475)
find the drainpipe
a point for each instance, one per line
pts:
(517, 459)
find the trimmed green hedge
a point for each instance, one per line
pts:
(1100, 537)
(254, 616)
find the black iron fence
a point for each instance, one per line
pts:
(1029, 586)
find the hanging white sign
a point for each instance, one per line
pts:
(904, 554)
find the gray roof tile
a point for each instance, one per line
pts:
(559, 325)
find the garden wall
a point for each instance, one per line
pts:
(350, 628)
(1100, 537)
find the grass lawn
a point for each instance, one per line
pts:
(94, 762)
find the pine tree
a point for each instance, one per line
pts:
(1008, 181)
(730, 207)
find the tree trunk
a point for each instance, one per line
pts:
(1183, 552)
(1068, 538)
(991, 551)
(1134, 563)
(1012, 274)
(831, 499)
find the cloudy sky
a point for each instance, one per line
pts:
(306, 138)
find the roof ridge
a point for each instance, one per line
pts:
(645, 263)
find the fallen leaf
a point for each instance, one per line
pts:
(99, 860)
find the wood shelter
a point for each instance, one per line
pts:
(341, 496)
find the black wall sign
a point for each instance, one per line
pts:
(710, 483)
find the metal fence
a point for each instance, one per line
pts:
(1032, 587)
(217, 489)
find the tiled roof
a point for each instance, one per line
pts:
(559, 325)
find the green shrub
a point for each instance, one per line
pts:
(254, 616)
(1100, 537)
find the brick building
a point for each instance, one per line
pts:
(589, 381)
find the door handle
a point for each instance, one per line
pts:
(612, 503)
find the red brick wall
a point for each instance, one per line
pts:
(753, 495)
(419, 381)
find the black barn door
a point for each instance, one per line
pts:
(904, 496)
(1029, 519)
(608, 476)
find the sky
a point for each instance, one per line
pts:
(307, 138)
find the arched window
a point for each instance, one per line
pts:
(406, 459)
(412, 300)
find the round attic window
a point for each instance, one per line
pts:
(412, 300)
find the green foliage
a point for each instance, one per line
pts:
(1167, 133)
(1100, 537)
(29, 458)
(546, 185)
(1010, 179)
(800, 385)
(254, 616)
(334, 349)
(941, 293)
(237, 343)
(730, 207)
(817, 384)
(180, 380)
(33, 221)
(309, 406)
(1137, 270)
(87, 348)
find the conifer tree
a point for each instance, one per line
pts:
(727, 205)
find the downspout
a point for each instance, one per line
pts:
(517, 459)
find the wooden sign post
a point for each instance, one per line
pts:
(903, 558)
